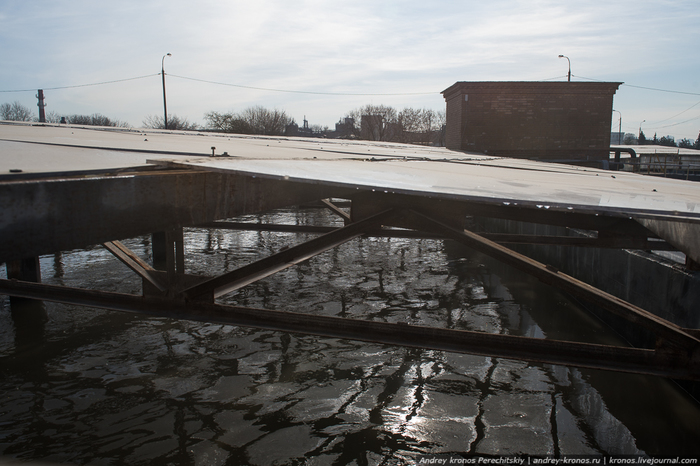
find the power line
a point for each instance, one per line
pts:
(661, 90)
(678, 114)
(679, 123)
(85, 85)
(647, 88)
(298, 92)
(302, 92)
(224, 84)
(583, 77)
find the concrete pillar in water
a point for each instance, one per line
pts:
(28, 315)
(27, 269)
(169, 251)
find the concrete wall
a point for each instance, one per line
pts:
(539, 120)
(646, 280)
(643, 279)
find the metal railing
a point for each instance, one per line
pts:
(666, 164)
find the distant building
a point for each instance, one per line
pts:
(345, 129)
(536, 120)
(372, 127)
(293, 129)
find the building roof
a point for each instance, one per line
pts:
(531, 87)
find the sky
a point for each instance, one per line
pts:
(322, 59)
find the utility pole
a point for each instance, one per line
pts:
(619, 128)
(42, 114)
(165, 105)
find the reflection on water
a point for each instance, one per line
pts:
(99, 387)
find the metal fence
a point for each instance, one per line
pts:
(666, 164)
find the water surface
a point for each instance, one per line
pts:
(103, 387)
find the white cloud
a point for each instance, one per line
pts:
(356, 47)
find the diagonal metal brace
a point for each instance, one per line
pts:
(135, 263)
(337, 210)
(661, 327)
(250, 273)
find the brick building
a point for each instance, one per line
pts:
(535, 120)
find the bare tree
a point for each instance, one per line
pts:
(53, 117)
(227, 123)
(95, 119)
(174, 123)
(410, 125)
(15, 112)
(411, 122)
(432, 126)
(253, 120)
(440, 122)
(264, 121)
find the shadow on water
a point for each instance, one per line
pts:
(110, 388)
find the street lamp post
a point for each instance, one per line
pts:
(165, 105)
(619, 128)
(640, 132)
(567, 59)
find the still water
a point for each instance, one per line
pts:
(102, 387)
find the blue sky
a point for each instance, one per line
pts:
(412, 48)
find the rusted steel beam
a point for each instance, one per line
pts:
(135, 263)
(312, 229)
(365, 203)
(242, 226)
(616, 242)
(663, 329)
(265, 267)
(337, 210)
(578, 241)
(583, 221)
(644, 361)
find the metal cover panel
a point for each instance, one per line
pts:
(502, 181)
(391, 167)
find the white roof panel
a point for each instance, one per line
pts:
(418, 170)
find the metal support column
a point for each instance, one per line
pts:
(169, 251)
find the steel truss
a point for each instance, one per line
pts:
(174, 295)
